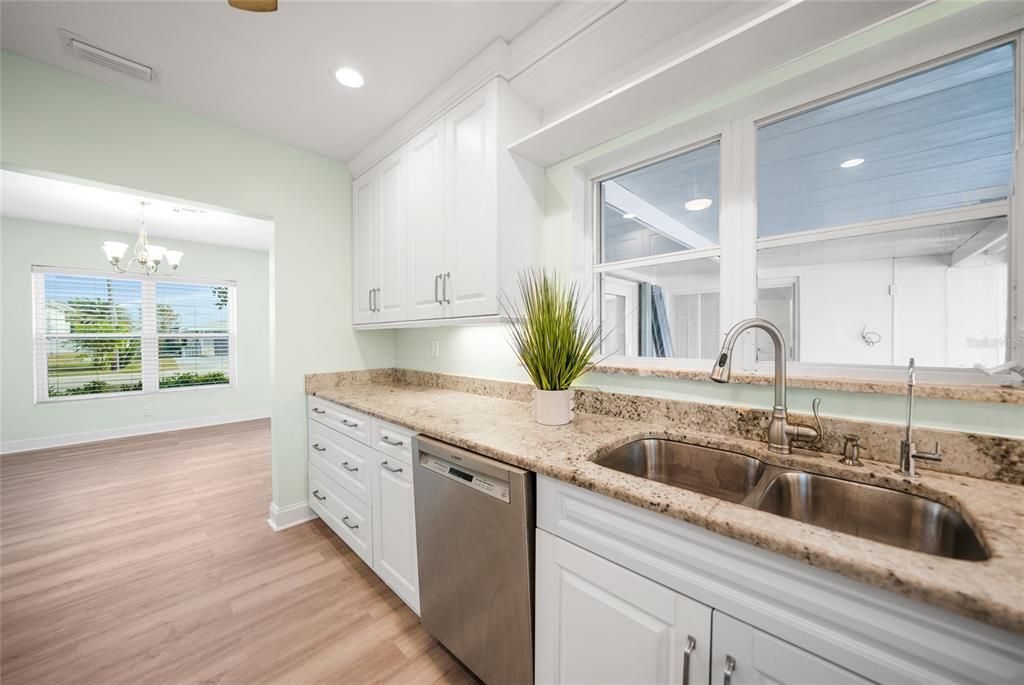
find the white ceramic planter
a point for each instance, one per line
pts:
(553, 407)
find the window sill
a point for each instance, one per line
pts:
(132, 393)
(1000, 394)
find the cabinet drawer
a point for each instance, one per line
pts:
(342, 459)
(346, 515)
(341, 419)
(392, 440)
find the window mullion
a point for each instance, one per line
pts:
(739, 231)
(150, 354)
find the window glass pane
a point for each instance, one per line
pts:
(87, 366)
(669, 206)
(668, 310)
(87, 304)
(938, 294)
(194, 361)
(191, 308)
(938, 139)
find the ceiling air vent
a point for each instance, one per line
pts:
(74, 45)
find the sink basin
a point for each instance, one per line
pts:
(868, 511)
(725, 475)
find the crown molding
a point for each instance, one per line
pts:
(499, 59)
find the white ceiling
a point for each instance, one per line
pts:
(56, 201)
(271, 73)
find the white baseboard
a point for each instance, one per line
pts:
(30, 444)
(291, 515)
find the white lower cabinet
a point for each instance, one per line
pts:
(394, 530)
(744, 655)
(620, 590)
(600, 623)
(360, 485)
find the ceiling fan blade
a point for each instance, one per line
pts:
(254, 5)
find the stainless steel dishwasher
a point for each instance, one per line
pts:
(474, 536)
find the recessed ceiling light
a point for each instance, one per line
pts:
(850, 163)
(629, 215)
(347, 76)
(699, 204)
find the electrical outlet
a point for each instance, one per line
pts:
(435, 349)
(147, 410)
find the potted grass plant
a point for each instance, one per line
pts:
(554, 339)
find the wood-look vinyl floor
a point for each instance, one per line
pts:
(149, 560)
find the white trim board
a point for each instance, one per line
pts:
(32, 444)
(288, 516)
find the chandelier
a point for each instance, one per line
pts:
(148, 257)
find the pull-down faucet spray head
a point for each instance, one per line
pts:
(723, 367)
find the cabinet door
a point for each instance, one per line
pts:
(471, 238)
(426, 180)
(597, 622)
(365, 245)
(755, 657)
(393, 216)
(394, 529)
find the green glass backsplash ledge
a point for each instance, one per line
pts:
(484, 351)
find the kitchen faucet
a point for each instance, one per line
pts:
(781, 433)
(908, 451)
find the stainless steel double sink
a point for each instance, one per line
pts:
(867, 511)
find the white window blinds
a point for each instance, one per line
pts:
(98, 335)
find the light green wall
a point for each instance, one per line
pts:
(483, 351)
(54, 121)
(28, 243)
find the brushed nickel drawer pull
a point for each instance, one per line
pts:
(691, 644)
(316, 493)
(318, 410)
(391, 469)
(444, 287)
(349, 424)
(388, 440)
(345, 466)
(353, 526)
(437, 282)
(318, 448)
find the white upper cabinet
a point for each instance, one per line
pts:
(426, 223)
(379, 234)
(365, 246)
(390, 297)
(470, 286)
(458, 216)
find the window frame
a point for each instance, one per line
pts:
(736, 129)
(149, 335)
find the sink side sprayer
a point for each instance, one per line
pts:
(781, 433)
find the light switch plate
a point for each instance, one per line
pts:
(435, 349)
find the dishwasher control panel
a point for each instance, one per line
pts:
(490, 486)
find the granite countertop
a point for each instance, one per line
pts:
(991, 591)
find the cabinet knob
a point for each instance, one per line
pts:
(349, 424)
(316, 494)
(318, 448)
(391, 468)
(345, 466)
(388, 440)
(318, 410)
(353, 526)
